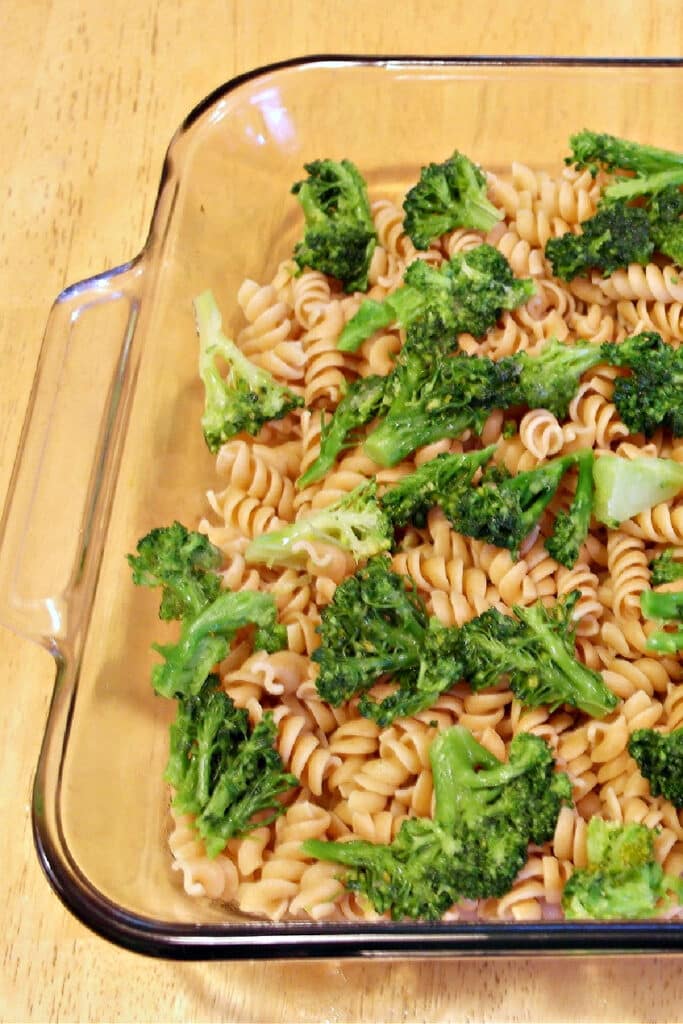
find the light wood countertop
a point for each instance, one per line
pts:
(92, 92)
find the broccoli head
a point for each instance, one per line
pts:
(486, 814)
(377, 626)
(665, 568)
(409, 500)
(550, 379)
(222, 771)
(248, 397)
(665, 211)
(652, 396)
(448, 195)
(339, 236)
(659, 757)
(205, 640)
(613, 238)
(467, 294)
(598, 150)
(622, 879)
(535, 651)
(355, 523)
(183, 563)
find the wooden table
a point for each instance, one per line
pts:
(92, 92)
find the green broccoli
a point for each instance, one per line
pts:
(468, 294)
(659, 757)
(248, 398)
(355, 523)
(626, 487)
(668, 609)
(665, 568)
(339, 236)
(623, 879)
(486, 814)
(448, 195)
(427, 404)
(535, 651)
(409, 500)
(377, 625)
(504, 509)
(222, 771)
(183, 563)
(613, 238)
(596, 150)
(665, 212)
(653, 396)
(361, 403)
(550, 379)
(571, 528)
(205, 640)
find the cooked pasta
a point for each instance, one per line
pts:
(360, 780)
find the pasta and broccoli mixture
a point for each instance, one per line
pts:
(428, 661)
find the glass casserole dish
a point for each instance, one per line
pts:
(107, 454)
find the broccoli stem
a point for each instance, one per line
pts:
(395, 438)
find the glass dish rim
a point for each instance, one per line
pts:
(268, 940)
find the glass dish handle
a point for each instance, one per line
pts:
(61, 489)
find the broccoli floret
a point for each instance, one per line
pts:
(205, 640)
(659, 757)
(665, 568)
(222, 771)
(248, 398)
(571, 528)
(409, 500)
(355, 523)
(596, 150)
(667, 608)
(339, 237)
(623, 879)
(467, 294)
(486, 814)
(504, 509)
(665, 211)
(377, 625)
(360, 404)
(448, 195)
(653, 396)
(183, 563)
(550, 379)
(615, 237)
(425, 405)
(626, 487)
(535, 651)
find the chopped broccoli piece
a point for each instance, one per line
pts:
(668, 608)
(183, 564)
(454, 395)
(504, 509)
(659, 758)
(535, 651)
(339, 236)
(614, 237)
(248, 398)
(665, 568)
(653, 396)
(355, 523)
(448, 195)
(623, 879)
(205, 640)
(665, 211)
(550, 379)
(571, 528)
(486, 814)
(626, 487)
(597, 149)
(360, 404)
(222, 771)
(468, 294)
(409, 500)
(377, 625)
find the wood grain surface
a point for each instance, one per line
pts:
(92, 92)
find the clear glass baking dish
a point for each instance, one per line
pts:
(106, 454)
